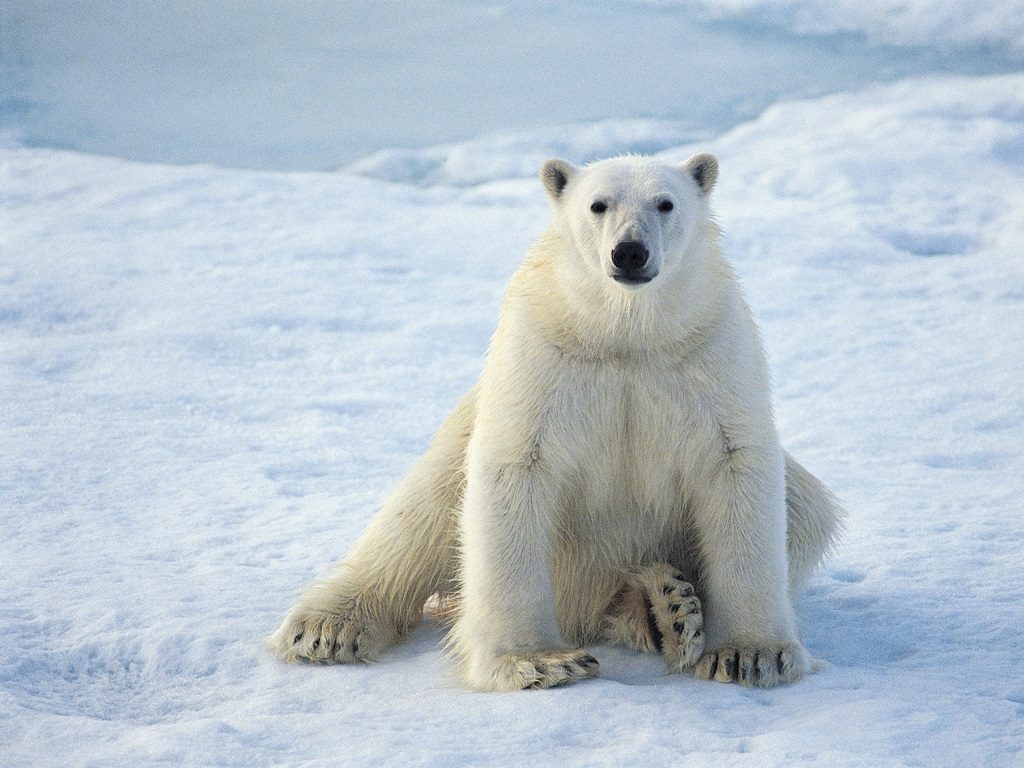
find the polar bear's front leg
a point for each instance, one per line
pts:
(751, 627)
(506, 635)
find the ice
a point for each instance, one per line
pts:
(317, 86)
(938, 23)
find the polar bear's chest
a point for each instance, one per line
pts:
(634, 433)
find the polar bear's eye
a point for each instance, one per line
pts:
(665, 206)
(598, 207)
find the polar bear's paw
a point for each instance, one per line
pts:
(539, 669)
(674, 616)
(659, 612)
(328, 638)
(763, 667)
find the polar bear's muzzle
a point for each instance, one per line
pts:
(630, 263)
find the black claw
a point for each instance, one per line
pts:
(687, 591)
(730, 667)
(355, 646)
(678, 626)
(780, 664)
(588, 660)
(714, 667)
(569, 669)
(316, 643)
(667, 589)
(698, 633)
(297, 638)
(652, 625)
(675, 607)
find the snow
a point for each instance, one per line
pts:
(210, 377)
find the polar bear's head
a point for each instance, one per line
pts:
(631, 218)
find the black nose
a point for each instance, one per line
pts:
(630, 255)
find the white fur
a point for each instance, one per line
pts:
(614, 426)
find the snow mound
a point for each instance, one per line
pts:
(520, 155)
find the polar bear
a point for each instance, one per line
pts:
(615, 474)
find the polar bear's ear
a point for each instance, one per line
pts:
(704, 170)
(555, 174)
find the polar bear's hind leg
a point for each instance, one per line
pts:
(658, 611)
(407, 554)
(813, 523)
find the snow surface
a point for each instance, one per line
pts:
(209, 379)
